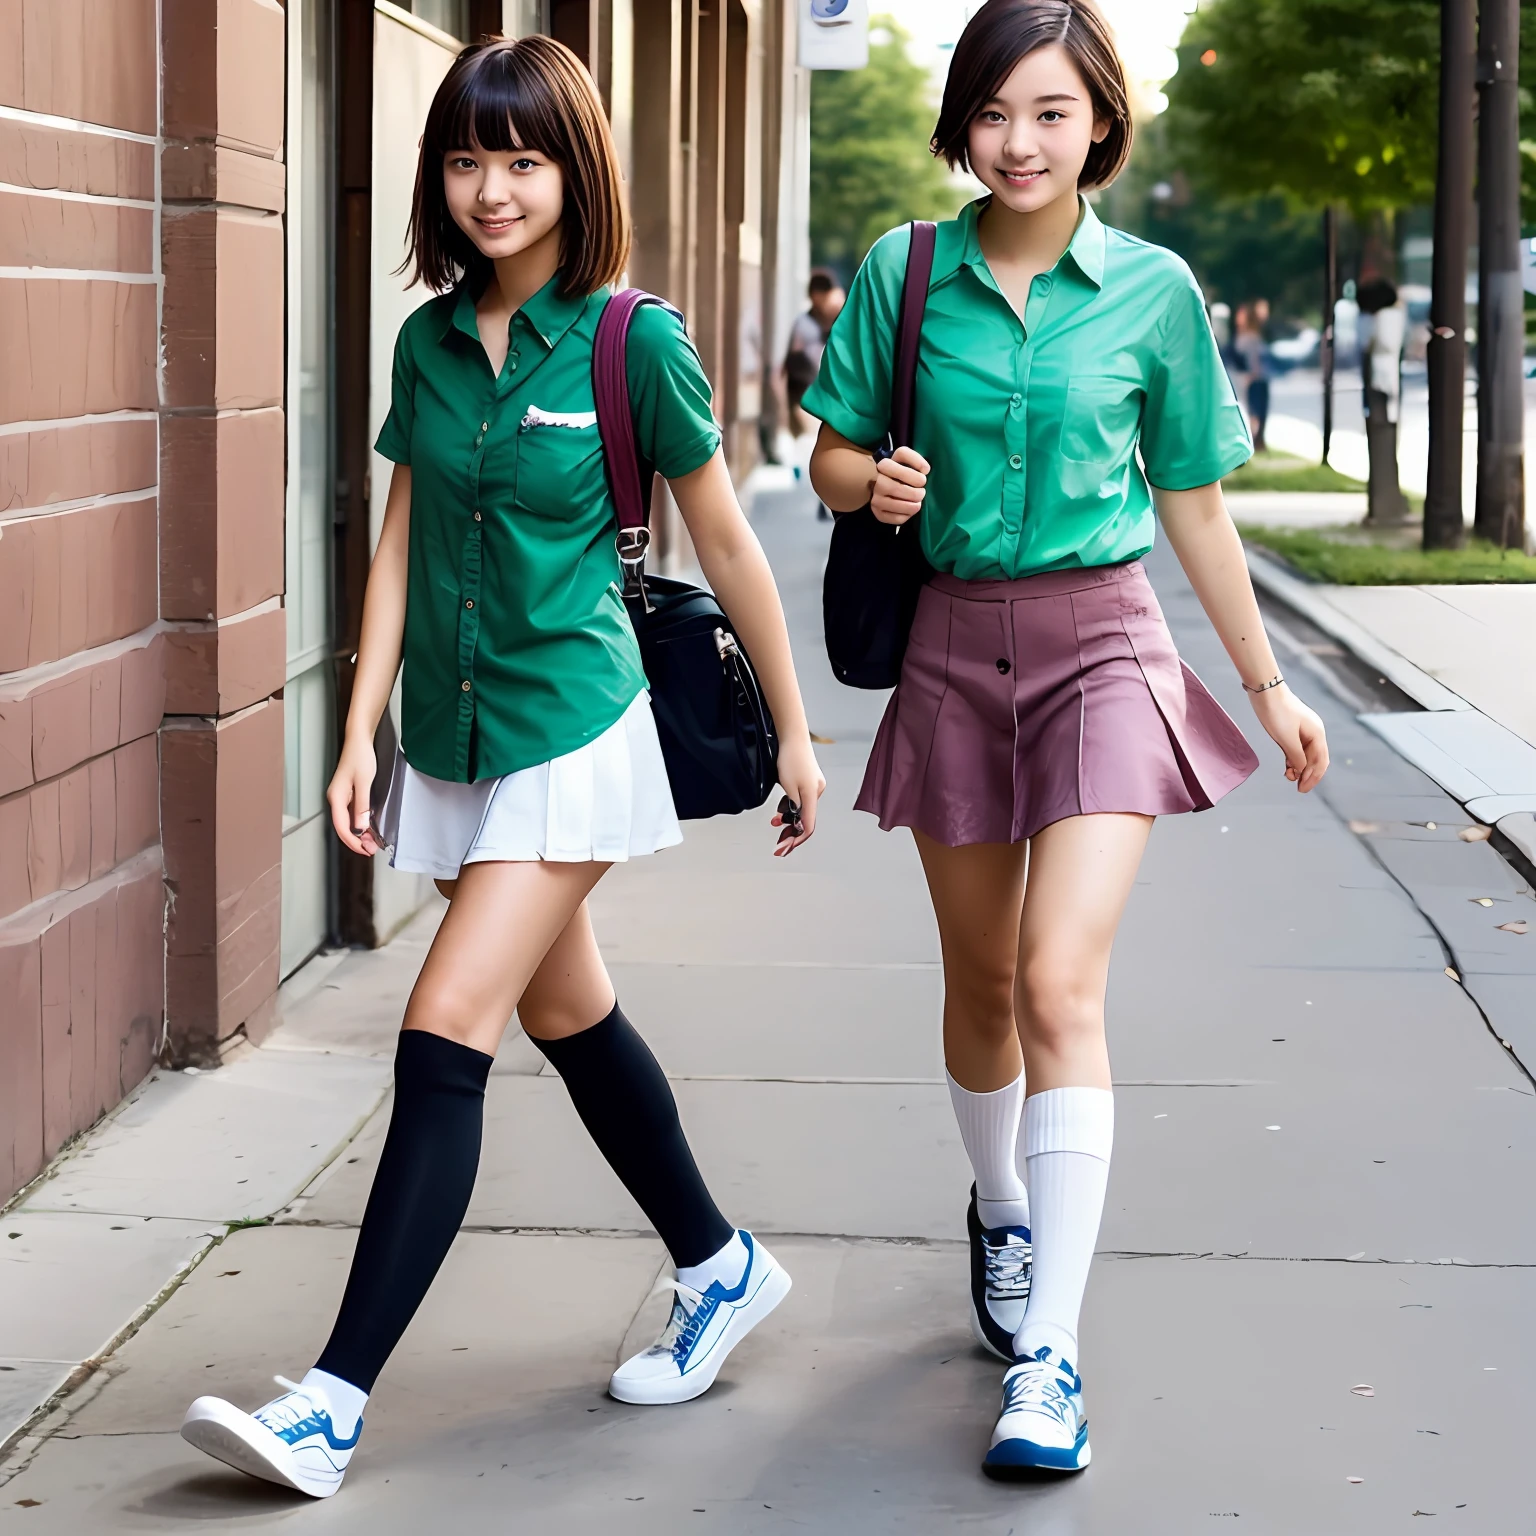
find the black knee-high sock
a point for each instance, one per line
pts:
(419, 1197)
(626, 1104)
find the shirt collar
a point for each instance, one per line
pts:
(549, 313)
(1086, 249)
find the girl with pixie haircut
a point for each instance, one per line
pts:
(1043, 718)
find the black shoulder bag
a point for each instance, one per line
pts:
(875, 570)
(717, 736)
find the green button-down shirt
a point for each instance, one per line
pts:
(517, 645)
(1032, 424)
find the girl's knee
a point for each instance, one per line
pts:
(1058, 1007)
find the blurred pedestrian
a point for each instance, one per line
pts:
(531, 761)
(1043, 718)
(1250, 346)
(807, 341)
(1383, 331)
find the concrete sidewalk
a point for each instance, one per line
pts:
(1321, 1186)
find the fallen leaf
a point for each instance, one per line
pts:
(29, 1503)
(1452, 974)
(1516, 927)
(823, 741)
(1475, 834)
(1429, 826)
(1352, 1258)
(227, 1273)
(1354, 1479)
(1361, 828)
(1481, 901)
(1362, 1390)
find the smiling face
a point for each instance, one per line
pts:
(506, 200)
(1029, 143)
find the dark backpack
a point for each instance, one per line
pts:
(876, 570)
(717, 735)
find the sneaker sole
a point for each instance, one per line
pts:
(696, 1383)
(980, 1334)
(222, 1431)
(1024, 1458)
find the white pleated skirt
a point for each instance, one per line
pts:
(607, 801)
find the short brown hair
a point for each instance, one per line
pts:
(1000, 34)
(533, 93)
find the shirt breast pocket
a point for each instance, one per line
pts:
(1098, 432)
(559, 464)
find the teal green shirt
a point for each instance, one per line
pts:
(518, 648)
(1032, 426)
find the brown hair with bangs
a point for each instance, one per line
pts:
(532, 93)
(1000, 34)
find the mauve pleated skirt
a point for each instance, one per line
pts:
(1024, 702)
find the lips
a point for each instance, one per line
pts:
(1021, 178)
(498, 226)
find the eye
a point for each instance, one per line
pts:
(1051, 115)
(991, 117)
(462, 162)
(523, 163)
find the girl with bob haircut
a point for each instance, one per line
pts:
(529, 758)
(1043, 718)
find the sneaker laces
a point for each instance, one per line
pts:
(292, 1408)
(1038, 1387)
(1007, 1269)
(682, 1329)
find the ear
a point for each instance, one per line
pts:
(1101, 127)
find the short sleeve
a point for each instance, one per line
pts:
(394, 440)
(675, 429)
(1192, 430)
(852, 392)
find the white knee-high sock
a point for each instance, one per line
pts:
(1068, 1134)
(989, 1127)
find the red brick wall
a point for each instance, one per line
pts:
(82, 675)
(141, 548)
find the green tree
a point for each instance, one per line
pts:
(1321, 101)
(870, 164)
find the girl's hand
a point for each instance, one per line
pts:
(1297, 731)
(802, 782)
(901, 483)
(349, 795)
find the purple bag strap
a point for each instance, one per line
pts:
(616, 422)
(909, 325)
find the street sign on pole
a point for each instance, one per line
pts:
(834, 34)
(1500, 516)
(1447, 354)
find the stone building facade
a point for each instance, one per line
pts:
(199, 217)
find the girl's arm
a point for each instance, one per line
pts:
(1203, 537)
(846, 477)
(378, 660)
(737, 570)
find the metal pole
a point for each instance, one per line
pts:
(1500, 516)
(1443, 522)
(1330, 297)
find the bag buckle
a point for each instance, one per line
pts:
(631, 545)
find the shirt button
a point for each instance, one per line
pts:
(465, 685)
(1015, 462)
(1003, 666)
(470, 603)
(1016, 401)
(477, 514)
(485, 426)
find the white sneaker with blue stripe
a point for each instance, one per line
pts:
(1001, 1259)
(705, 1326)
(291, 1441)
(1044, 1426)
